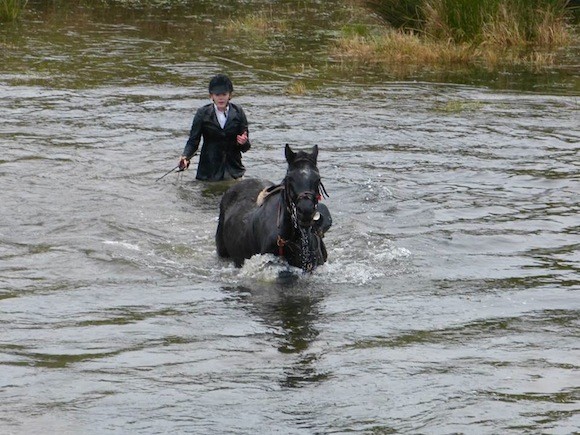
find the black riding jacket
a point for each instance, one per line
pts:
(221, 156)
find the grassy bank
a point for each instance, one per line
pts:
(491, 33)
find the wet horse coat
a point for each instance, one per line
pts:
(258, 217)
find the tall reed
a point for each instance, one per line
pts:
(507, 22)
(432, 34)
(10, 10)
(527, 23)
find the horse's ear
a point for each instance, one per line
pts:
(314, 152)
(290, 155)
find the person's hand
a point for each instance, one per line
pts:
(242, 138)
(183, 163)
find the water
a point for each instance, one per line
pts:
(449, 303)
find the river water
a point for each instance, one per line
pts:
(449, 303)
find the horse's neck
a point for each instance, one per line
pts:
(285, 224)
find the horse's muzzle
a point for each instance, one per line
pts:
(307, 213)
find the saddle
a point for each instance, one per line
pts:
(267, 192)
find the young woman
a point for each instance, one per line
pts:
(224, 128)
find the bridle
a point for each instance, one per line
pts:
(289, 204)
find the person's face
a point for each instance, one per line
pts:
(220, 100)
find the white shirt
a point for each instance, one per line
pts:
(222, 116)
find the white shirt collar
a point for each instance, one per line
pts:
(222, 116)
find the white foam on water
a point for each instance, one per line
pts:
(362, 259)
(357, 273)
(344, 266)
(395, 253)
(125, 245)
(266, 268)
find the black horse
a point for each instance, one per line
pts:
(258, 217)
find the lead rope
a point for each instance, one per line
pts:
(306, 254)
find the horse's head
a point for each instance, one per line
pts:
(302, 191)
(302, 185)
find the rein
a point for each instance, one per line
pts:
(290, 207)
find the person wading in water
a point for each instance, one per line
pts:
(224, 128)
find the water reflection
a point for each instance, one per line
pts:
(216, 189)
(292, 314)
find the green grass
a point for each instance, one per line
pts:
(517, 22)
(401, 14)
(10, 10)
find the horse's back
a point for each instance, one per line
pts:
(234, 225)
(243, 195)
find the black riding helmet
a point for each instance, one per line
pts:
(220, 84)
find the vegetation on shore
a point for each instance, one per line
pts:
(419, 33)
(10, 10)
(399, 36)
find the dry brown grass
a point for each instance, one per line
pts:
(262, 23)
(295, 88)
(395, 47)
(506, 31)
(396, 50)
(553, 31)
